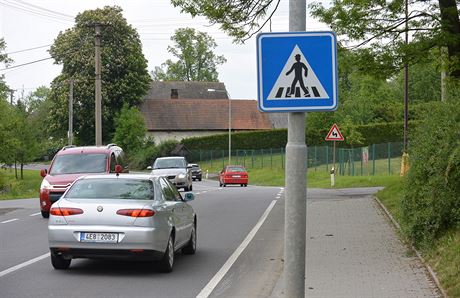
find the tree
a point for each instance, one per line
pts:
(196, 60)
(125, 79)
(130, 131)
(5, 60)
(377, 25)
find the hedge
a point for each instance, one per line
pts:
(375, 133)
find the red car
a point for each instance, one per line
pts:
(72, 162)
(233, 175)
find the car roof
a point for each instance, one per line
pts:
(170, 157)
(87, 149)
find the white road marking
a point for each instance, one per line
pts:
(7, 221)
(35, 214)
(207, 290)
(22, 265)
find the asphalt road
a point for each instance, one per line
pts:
(225, 217)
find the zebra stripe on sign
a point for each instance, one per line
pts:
(297, 80)
(285, 92)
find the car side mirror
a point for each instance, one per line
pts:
(189, 197)
(149, 167)
(43, 172)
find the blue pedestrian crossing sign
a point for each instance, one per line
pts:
(297, 71)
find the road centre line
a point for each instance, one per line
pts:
(7, 221)
(22, 265)
(207, 290)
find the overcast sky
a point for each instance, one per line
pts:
(26, 24)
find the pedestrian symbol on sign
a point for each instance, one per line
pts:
(297, 73)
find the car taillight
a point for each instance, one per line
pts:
(65, 211)
(136, 212)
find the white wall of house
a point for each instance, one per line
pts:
(161, 136)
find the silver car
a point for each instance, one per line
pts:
(138, 216)
(175, 169)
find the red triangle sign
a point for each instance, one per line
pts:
(334, 134)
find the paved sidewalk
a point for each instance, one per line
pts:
(354, 251)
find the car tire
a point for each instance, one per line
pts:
(224, 185)
(190, 248)
(245, 185)
(45, 214)
(167, 262)
(59, 262)
(199, 179)
(190, 188)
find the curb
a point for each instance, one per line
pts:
(427, 266)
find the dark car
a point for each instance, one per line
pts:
(196, 171)
(72, 162)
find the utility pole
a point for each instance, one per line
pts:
(70, 111)
(406, 83)
(98, 99)
(296, 184)
(11, 96)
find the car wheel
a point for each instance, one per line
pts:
(59, 262)
(245, 185)
(191, 246)
(241, 185)
(166, 264)
(190, 188)
(45, 214)
(224, 185)
(199, 179)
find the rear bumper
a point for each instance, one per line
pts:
(76, 253)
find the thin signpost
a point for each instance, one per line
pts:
(334, 135)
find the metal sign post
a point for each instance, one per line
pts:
(296, 73)
(334, 135)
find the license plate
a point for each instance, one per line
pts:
(236, 176)
(99, 237)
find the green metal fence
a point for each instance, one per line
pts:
(369, 160)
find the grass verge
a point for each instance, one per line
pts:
(444, 253)
(12, 188)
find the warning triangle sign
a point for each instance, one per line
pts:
(297, 80)
(334, 134)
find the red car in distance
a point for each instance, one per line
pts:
(233, 175)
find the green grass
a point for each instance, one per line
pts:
(12, 188)
(443, 255)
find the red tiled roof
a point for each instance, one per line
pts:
(199, 114)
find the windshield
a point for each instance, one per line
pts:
(169, 163)
(79, 163)
(116, 188)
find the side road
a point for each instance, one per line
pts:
(353, 250)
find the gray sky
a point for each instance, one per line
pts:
(26, 24)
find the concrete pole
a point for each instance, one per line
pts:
(97, 58)
(71, 112)
(296, 184)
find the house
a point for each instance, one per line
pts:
(177, 110)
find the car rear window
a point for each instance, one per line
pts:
(236, 169)
(117, 188)
(79, 163)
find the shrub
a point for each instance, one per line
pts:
(430, 204)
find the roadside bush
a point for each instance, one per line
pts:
(431, 204)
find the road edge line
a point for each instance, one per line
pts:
(22, 265)
(207, 290)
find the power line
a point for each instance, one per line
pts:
(27, 63)
(29, 49)
(27, 10)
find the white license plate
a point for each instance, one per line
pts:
(99, 237)
(236, 176)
